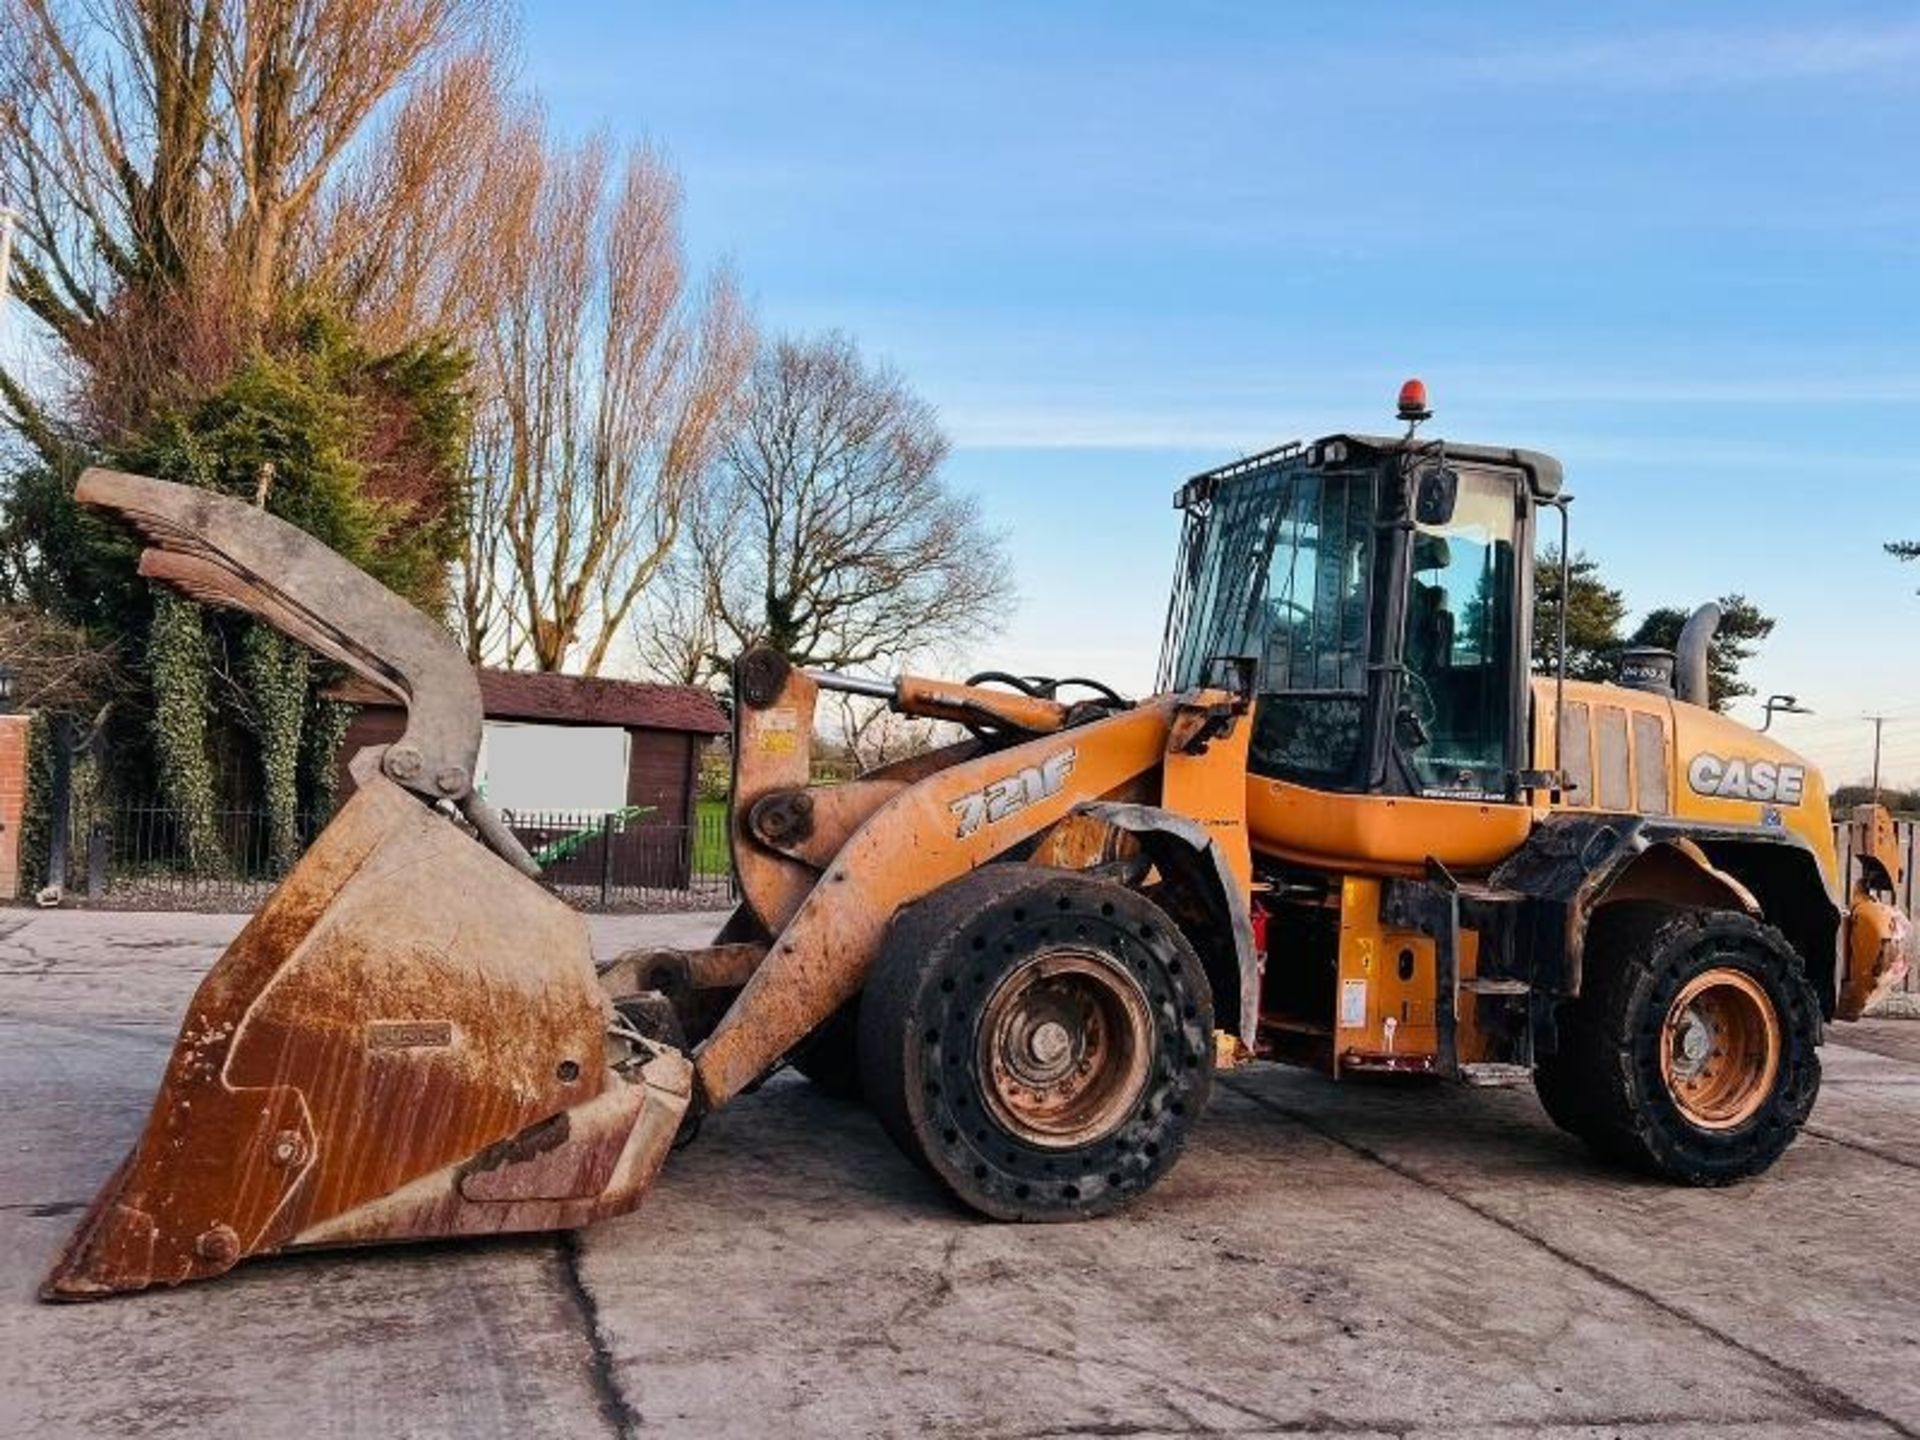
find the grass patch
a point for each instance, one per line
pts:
(710, 853)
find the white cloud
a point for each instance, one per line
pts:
(1120, 429)
(1247, 422)
(1543, 386)
(1687, 58)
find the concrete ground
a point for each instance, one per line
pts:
(1349, 1261)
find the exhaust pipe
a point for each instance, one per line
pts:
(1690, 654)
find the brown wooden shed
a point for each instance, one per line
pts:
(667, 726)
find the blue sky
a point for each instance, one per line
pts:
(1677, 246)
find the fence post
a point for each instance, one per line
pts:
(606, 860)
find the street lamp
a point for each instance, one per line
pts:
(6, 689)
(1782, 705)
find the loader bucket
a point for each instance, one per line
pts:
(408, 1039)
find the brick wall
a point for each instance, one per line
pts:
(13, 799)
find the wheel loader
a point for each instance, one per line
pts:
(1351, 831)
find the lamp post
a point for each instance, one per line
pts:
(6, 689)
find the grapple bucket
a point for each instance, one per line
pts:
(408, 1039)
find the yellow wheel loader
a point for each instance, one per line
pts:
(1351, 832)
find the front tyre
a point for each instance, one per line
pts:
(1691, 1052)
(1039, 1041)
(830, 1057)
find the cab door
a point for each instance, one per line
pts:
(1459, 726)
(1454, 658)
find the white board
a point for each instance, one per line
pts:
(554, 767)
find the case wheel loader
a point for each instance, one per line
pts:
(1350, 831)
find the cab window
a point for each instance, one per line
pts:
(1456, 702)
(1313, 630)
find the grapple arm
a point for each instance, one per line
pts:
(221, 551)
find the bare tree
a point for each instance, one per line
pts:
(181, 164)
(485, 618)
(397, 243)
(831, 535)
(608, 381)
(57, 668)
(676, 630)
(874, 735)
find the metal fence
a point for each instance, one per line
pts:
(138, 855)
(618, 861)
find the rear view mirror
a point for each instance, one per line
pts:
(1434, 494)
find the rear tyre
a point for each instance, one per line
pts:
(1563, 1080)
(1041, 1043)
(1691, 1052)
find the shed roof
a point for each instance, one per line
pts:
(578, 700)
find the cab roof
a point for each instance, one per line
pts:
(1543, 472)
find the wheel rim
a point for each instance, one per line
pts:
(1066, 1043)
(1720, 1048)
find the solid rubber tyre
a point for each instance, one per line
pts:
(982, 957)
(830, 1057)
(1606, 1082)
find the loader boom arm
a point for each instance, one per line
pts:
(409, 1040)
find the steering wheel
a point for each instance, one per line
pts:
(1419, 701)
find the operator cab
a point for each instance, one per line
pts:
(1379, 591)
